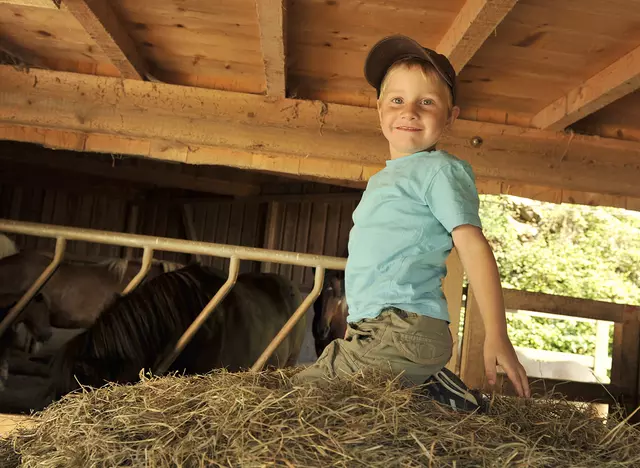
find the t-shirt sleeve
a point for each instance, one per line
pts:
(452, 196)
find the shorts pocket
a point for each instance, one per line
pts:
(421, 349)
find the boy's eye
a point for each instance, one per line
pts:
(396, 100)
(427, 102)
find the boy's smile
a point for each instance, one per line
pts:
(414, 110)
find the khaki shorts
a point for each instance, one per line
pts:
(397, 341)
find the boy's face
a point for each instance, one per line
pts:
(414, 111)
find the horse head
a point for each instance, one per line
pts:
(84, 361)
(330, 311)
(133, 330)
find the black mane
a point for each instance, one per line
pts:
(139, 327)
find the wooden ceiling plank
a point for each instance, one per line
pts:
(272, 21)
(201, 126)
(102, 24)
(50, 4)
(617, 80)
(146, 175)
(470, 29)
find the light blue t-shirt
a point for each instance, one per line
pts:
(402, 234)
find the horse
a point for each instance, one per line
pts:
(330, 322)
(73, 297)
(138, 329)
(75, 294)
(330, 311)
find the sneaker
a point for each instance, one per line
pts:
(446, 388)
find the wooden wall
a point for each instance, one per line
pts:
(311, 226)
(222, 222)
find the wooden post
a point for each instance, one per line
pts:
(273, 234)
(626, 353)
(132, 227)
(452, 287)
(472, 362)
(190, 228)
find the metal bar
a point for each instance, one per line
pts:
(297, 315)
(147, 256)
(234, 267)
(61, 244)
(172, 245)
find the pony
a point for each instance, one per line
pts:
(75, 294)
(135, 331)
(73, 297)
(330, 311)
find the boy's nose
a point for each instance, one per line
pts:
(410, 112)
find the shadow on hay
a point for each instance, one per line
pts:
(135, 331)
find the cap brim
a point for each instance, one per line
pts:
(388, 51)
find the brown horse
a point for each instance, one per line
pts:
(72, 298)
(75, 294)
(137, 330)
(330, 311)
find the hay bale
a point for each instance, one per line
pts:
(244, 419)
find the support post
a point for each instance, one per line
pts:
(297, 315)
(234, 266)
(190, 228)
(147, 256)
(61, 244)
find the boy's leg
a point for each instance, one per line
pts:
(395, 341)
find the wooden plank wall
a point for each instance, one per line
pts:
(54, 206)
(234, 223)
(308, 227)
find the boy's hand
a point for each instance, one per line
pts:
(499, 350)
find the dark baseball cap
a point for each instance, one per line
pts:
(393, 48)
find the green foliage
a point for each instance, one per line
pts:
(569, 250)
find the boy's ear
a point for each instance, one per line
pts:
(453, 115)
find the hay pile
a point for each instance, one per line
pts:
(225, 419)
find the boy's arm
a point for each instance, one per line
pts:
(479, 263)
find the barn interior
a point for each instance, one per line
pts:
(249, 122)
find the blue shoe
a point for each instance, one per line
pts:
(446, 388)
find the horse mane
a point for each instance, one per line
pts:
(117, 267)
(147, 320)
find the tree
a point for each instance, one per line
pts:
(569, 250)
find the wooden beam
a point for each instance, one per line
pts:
(472, 370)
(470, 29)
(50, 4)
(272, 22)
(20, 54)
(587, 392)
(617, 80)
(562, 305)
(26, 175)
(452, 288)
(101, 22)
(202, 126)
(145, 175)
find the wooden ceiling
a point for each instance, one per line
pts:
(550, 88)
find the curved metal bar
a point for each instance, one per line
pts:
(147, 256)
(172, 245)
(61, 244)
(234, 267)
(297, 315)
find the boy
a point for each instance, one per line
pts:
(423, 203)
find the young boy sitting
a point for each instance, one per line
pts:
(423, 203)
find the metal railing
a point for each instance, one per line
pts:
(150, 244)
